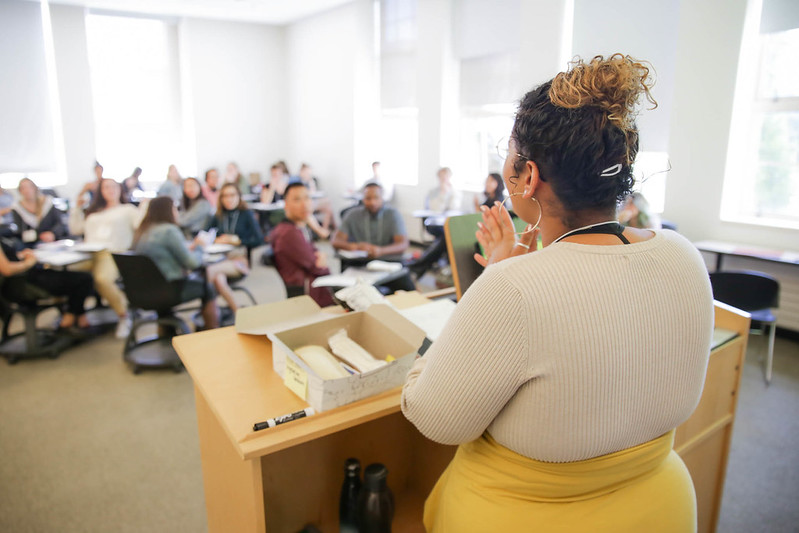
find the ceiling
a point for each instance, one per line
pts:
(276, 12)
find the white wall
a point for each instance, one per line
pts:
(75, 92)
(320, 79)
(619, 26)
(234, 77)
(707, 63)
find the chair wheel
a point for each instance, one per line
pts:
(53, 355)
(13, 360)
(178, 368)
(136, 370)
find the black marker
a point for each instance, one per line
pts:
(272, 422)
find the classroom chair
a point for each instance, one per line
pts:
(754, 292)
(151, 300)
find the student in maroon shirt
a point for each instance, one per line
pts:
(296, 258)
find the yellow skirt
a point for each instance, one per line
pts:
(489, 488)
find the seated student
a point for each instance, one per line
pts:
(23, 281)
(89, 190)
(494, 192)
(211, 186)
(377, 230)
(160, 238)
(172, 187)
(636, 213)
(274, 190)
(233, 175)
(109, 221)
(195, 209)
(321, 206)
(132, 183)
(35, 215)
(442, 197)
(235, 225)
(296, 258)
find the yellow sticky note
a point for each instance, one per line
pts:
(296, 379)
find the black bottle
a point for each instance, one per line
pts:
(375, 503)
(348, 503)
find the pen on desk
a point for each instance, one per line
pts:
(272, 422)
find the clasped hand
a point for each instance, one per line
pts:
(497, 235)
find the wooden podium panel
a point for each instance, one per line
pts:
(703, 441)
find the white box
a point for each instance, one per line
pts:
(299, 321)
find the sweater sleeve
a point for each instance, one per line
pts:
(455, 391)
(177, 247)
(250, 233)
(77, 221)
(196, 217)
(52, 222)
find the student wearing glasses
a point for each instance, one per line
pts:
(562, 373)
(235, 224)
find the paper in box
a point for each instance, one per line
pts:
(299, 321)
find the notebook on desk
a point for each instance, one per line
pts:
(720, 336)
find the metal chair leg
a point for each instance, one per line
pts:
(246, 291)
(770, 355)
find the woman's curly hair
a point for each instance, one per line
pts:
(579, 128)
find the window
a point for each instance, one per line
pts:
(399, 124)
(480, 131)
(399, 141)
(136, 95)
(762, 182)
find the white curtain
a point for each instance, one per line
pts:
(26, 125)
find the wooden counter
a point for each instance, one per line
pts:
(282, 478)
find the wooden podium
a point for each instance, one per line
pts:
(282, 478)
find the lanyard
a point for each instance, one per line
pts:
(229, 221)
(607, 228)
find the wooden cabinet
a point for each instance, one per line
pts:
(282, 478)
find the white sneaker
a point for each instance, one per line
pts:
(123, 328)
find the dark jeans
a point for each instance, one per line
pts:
(76, 286)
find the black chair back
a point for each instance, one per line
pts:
(747, 290)
(144, 284)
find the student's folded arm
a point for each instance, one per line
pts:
(399, 245)
(341, 241)
(188, 259)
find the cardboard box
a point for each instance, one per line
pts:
(299, 321)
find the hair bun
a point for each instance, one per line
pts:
(613, 85)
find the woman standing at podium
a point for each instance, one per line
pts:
(562, 373)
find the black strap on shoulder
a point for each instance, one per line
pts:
(611, 228)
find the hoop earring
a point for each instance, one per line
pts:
(540, 212)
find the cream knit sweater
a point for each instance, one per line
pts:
(572, 352)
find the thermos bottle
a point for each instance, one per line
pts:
(375, 503)
(348, 503)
